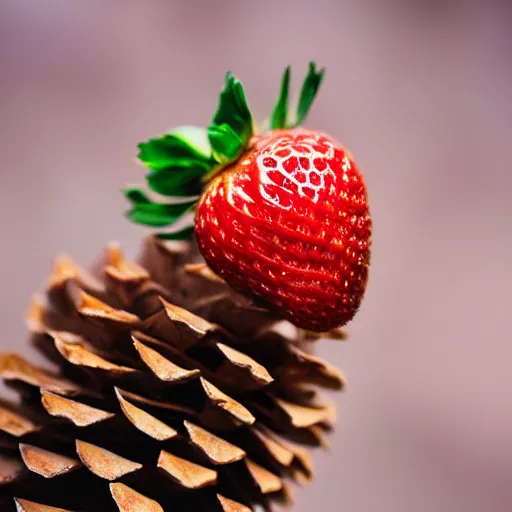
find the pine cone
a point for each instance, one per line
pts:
(172, 393)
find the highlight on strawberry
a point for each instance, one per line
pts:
(281, 213)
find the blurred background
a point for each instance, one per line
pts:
(421, 93)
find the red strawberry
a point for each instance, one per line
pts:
(289, 224)
(283, 217)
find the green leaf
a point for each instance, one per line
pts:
(177, 148)
(233, 109)
(178, 160)
(196, 137)
(308, 92)
(182, 234)
(226, 144)
(279, 116)
(179, 181)
(144, 211)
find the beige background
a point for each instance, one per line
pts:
(421, 94)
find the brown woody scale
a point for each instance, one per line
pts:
(156, 407)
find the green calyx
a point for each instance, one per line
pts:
(181, 161)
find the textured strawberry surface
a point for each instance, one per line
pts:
(289, 225)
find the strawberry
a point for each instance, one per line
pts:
(281, 216)
(289, 224)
